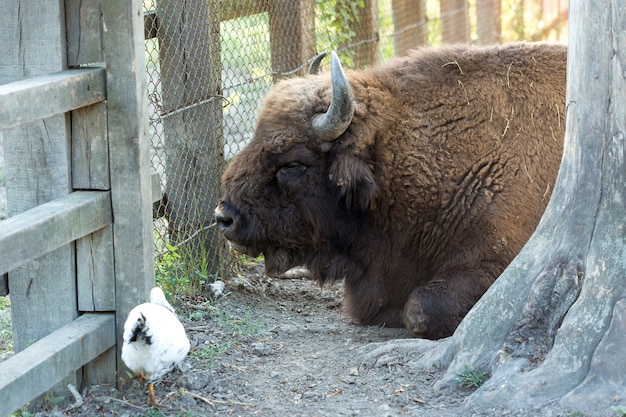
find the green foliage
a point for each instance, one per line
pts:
(212, 351)
(178, 274)
(247, 325)
(6, 334)
(182, 271)
(471, 378)
(154, 412)
(23, 412)
(230, 332)
(247, 260)
(334, 20)
(54, 401)
(169, 272)
(619, 411)
(2, 176)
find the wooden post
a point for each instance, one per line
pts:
(488, 24)
(367, 36)
(409, 25)
(82, 18)
(190, 62)
(454, 21)
(292, 36)
(365, 41)
(124, 52)
(95, 275)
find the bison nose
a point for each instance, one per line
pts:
(225, 217)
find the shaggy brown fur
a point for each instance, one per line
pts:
(434, 188)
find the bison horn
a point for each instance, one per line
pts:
(314, 68)
(330, 125)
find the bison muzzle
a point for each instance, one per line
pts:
(416, 182)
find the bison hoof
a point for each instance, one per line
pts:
(415, 320)
(416, 323)
(428, 326)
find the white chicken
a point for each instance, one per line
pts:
(154, 340)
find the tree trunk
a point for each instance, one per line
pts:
(553, 326)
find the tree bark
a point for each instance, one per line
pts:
(552, 329)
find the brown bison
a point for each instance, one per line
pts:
(416, 182)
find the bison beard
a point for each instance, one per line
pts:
(416, 182)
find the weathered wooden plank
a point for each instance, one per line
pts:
(44, 96)
(40, 230)
(129, 155)
(39, 367)
(90, 152)
(37, 158)
(82, 19)
(95, 271)
(102, 370)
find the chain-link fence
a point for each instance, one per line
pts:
(210, 62)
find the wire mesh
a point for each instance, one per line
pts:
(209, 64)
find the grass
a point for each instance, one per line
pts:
(179, 275)
(619, 411)
(183, 271)
(230, 332)
(472, 378)
(6, 335)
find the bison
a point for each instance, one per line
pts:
(415, 182)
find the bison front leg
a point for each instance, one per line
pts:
(367, 303)
(434, 310)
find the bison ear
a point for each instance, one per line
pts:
(355, 182)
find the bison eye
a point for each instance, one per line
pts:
(291, 171)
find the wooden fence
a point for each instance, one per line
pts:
(76, 251)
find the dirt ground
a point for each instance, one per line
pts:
(281, 347)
